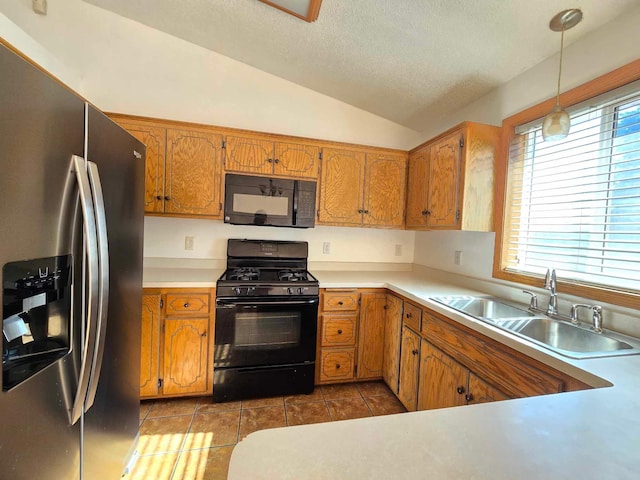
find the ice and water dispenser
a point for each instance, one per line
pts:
(36, 316)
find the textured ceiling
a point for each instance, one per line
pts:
(405, 60)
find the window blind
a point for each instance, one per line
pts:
(574, 205)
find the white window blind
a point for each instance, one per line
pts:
(574, 205)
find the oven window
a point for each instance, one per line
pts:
(267, 330)
(243, 203)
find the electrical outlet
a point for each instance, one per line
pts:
(326, 248)
(398, 252)
(40, 6)
(188, 243)
(457, 257)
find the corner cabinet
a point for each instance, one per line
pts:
(266, 157)
(360, 188)
(183, 167)
(451, 178)
(177, 343)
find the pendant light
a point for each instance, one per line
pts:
(556, 124)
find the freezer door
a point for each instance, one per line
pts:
(41, 128)
(111, 422)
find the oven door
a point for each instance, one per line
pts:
(265, 331)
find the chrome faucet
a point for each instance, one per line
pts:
(550, 284)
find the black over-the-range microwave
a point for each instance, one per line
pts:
(277, 202)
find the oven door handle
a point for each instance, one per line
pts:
(233, 303)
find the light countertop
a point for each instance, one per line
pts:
(590, 434)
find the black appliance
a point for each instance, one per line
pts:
(266, 321)
(276, 202)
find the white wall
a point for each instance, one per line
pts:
(164, 237)
(607, 48)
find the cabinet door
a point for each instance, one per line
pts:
(248, 155)
(295, 160)
(392, 331)
(150, 353)
(443, 381)
(409, 368)
(371, 337)
(385, 180)
(444, 182)
(480, 391)
(193, 173)
(341, 187)
(418, 189)
(155, 140)
(186, 349)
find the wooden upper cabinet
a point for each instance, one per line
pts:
(371, 336)
(155, 140)
(294, 160)
(392, 332)
(248, 155)
(341, 187)
(384, 189)
(444, 175)
(150, 341)
(252, 155)
(451, 180)
(193, 172)
(443, 381)
(418, 188)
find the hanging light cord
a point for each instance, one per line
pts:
(560, 68)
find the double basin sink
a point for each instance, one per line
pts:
(565, 338)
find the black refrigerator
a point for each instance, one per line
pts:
(71, 232)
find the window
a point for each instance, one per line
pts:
(574, 205)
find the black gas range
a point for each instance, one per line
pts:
(266, 321)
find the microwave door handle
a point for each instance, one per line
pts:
(294, 213)
(90, 287)
(103, 269)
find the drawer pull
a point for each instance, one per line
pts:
(339, 332)
(460, 390)
(186, 305)
(337, 366)
(415, 352)
(340, 302)
(204, 334)
(468, 397)
(409, 315)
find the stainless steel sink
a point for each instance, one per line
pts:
(576, 341)
(483, 308)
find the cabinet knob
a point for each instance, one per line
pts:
(337, 366)
(269, 160)
(408, 315)
(366, 211)
(426, 212)
(340, 302)
(277, 160)
(159, 197)
(204, 334)
(468, 397)
(360, 210)
(415, 351)
(186, 305)
(460, 390)
(339, 332)
(167, 198)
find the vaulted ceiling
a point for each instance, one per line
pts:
(405, 60)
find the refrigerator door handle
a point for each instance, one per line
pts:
(91, 283)
(103, 280)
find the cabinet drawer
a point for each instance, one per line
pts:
(337, 364)
(336, 301)
(338, 330)
(187, 303)
(412, 316)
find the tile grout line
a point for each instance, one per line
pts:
(184, 441)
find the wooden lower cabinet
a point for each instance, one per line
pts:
(392, 333)
(177, 343)
(337, 364)
(409, 368)
(479, 391)
(186, 353)
(443, 381)
(371, 335)
(149, 353)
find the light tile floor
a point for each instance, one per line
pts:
(192, 439)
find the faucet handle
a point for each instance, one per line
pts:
(533, 304)
(597, 319)
(573, 314)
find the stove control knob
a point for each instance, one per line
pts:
(238, 290)
(290, 290)
(251, 290)
(301, 290)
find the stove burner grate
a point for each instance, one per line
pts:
(245, 274)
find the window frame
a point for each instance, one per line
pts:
(609, 81)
